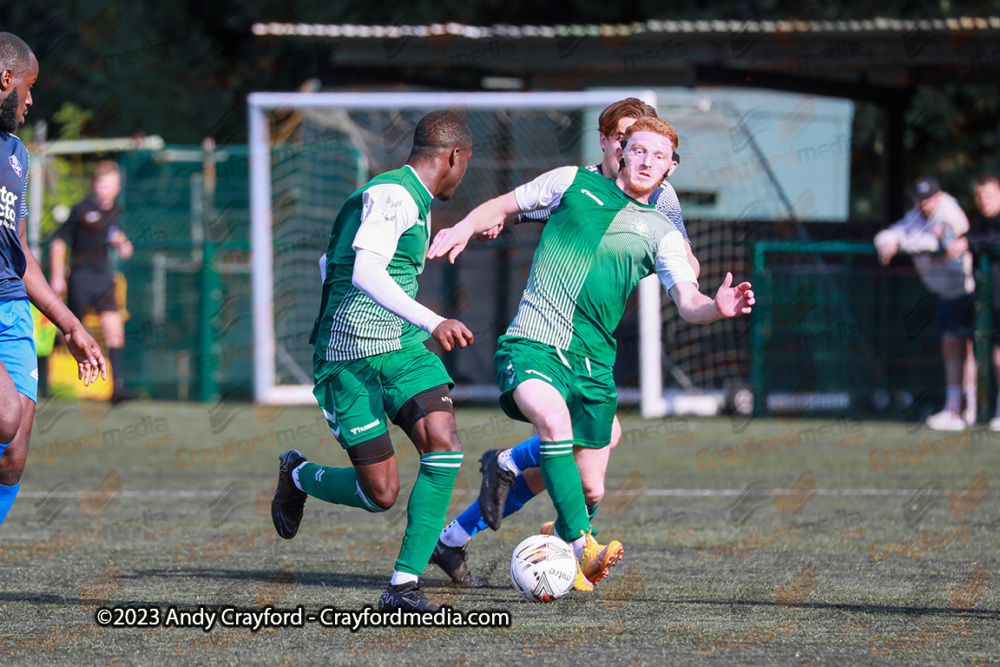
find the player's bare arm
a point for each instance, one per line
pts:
(57, 260)
(490, 214)
(729, 301)
(494, 232)
(86, 351)
(692, 260)
(122, 244)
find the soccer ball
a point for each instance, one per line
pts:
(543, 568)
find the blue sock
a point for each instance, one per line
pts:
(471, 520)
(524, 455)
(527, 454)
(520, 493)
(7, 495)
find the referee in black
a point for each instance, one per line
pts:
(91, 229)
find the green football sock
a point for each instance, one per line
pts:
(425, 512)
(591, 513)
(562, 479)
(334, 485)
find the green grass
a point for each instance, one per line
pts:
(668, 602)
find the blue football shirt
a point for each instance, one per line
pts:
(13, 209)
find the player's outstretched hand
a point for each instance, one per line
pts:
(451, 334)
(732, 301)
(450, 241)
(89, 359)
(490, 233)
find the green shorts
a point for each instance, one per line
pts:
(587, 387)
(357, 395)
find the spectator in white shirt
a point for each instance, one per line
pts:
(925, 233)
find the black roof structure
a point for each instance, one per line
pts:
(882, 61)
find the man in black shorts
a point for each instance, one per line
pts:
(91, 229)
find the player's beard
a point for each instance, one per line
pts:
(8, 112)
(635, 191)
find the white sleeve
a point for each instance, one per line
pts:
(370, 276)
(322, 268)
(546, 191)
(911, 235)
(388, 210)
(955, 217)
(672, 263)
(887, 235)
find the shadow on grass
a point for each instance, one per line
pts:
(852, 608)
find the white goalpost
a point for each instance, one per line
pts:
(297, 186)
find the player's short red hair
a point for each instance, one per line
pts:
(656, 125)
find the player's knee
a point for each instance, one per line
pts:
(11, 467)
(10, 419)
(446, 442)
(555, 425)
(442, 434)
(593, 491)
(385, 494)
(8, 429)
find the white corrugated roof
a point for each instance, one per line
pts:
(965, 23)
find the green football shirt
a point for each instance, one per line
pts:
(596, 246)
(396, 209)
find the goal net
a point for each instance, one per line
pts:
(730, 198)
(309, 151)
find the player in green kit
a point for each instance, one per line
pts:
(370, 364)
(554, 365)
(511, 477)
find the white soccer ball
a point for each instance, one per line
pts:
(543, 568)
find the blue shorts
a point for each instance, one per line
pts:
(957, 316)
(17, 346)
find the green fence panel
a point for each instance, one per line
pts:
(843, 334)
(189, 333)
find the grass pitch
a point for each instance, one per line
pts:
(793, 542)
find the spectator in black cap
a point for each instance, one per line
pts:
(984, 237)
(925, 233)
